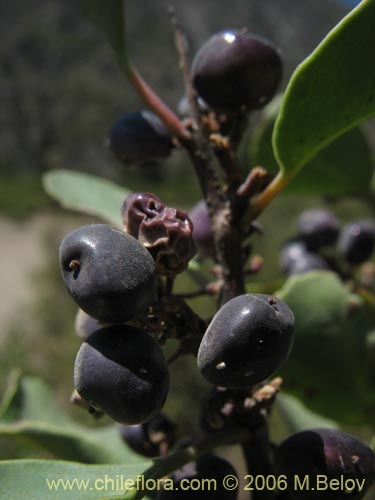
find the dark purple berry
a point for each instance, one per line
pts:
(291, 252)
(207, 467)
(234, 71)
(357, 241)
(248, 339)
(308, 261)
(109, 274)
(139, 137)
(330, 453)
(318, 228)
(166, 232)
(202, 230)
(122, 371)
(152, 438)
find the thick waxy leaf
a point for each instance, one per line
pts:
(330, 368)
(330, 92)
(86, 193)
(53, 480)
(109, 19)
(330, 172)
(32, 414)
(27, 401)
(319, 301)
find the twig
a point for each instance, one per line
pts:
(153, 101)
(257, 452)
(227, 235)
(182, 50)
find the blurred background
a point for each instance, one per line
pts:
(60, 92)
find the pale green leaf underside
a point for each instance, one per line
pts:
(319, 301)
(331, 327)
(32, 415)
(298, 417)
(330, 92)
(27, 479)
(86, 193)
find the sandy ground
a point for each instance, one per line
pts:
(23, 249)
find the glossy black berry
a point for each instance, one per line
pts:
(234, 71)
(165, 231)
(330, 453)
(248, 339)
(318, 228)
(109, 274)
(207, 467)
(150, 439)
(308, 261)
(357, 241)
(139, 137)
(295, 258)
(290, 253)
(122, 371)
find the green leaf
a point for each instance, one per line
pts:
(298, 417)
(33, 415)
(330, 367)
(53, 480)
(330, 172)
(319, 301)
(109, 19)
(31, 399)
(86, 193)
(101, 445)
(330, 92)
(7, 410)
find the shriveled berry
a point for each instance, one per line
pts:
(166, 232)
(330, 453)
(149, 439)
(357, 241)
(318, 228)
(234, 70)
(248, 339)
(139, 137)
(109, 274)
(122, 371)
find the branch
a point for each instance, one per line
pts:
(153, 101)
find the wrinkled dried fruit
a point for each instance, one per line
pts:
(166, 232)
